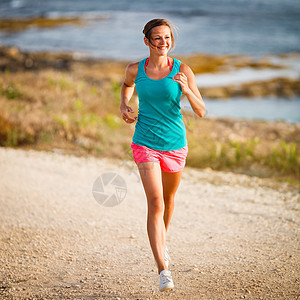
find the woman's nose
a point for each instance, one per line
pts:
(163, 41)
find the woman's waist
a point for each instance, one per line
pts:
(159, 120)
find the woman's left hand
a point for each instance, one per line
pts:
(183, 81)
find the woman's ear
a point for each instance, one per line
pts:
(146, 41)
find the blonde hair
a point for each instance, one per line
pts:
(147, 31)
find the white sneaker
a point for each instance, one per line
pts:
(166, 281)
(167, 257)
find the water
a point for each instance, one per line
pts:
(246, 75)
(254, 27)
(255, 109)
(114, 30)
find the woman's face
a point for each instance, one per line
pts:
(161, 41)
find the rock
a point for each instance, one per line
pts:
(215, 93)
(13, 52)
(28, 62)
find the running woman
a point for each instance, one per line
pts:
(159, 143)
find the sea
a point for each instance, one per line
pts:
(113, 28)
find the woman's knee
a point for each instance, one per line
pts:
(169, 200)
(155, 205)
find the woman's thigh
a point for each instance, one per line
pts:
(170, 182)
(150, 173)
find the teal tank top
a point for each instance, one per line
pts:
(159, 124)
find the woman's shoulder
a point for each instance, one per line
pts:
(132, 69)
(185, 68)
(133, 66)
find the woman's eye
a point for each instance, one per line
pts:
(167, 37)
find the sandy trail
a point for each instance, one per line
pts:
(231, 236)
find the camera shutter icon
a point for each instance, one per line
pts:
(109, 189)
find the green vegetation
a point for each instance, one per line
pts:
(285, 159)
(12, 135)
(10, 91)
(78, 110)
(251, 157)
(116, 89)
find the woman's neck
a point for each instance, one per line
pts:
(158, 62)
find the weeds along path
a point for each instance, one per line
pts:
(231, 236)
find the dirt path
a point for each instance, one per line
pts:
(231, 236)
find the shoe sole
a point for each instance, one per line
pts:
(167, 288)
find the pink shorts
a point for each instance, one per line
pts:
(170, 161)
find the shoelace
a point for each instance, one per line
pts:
(166, 277)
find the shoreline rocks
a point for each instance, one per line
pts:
(13, 59)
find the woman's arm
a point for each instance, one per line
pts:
(127, 92)
(186, 79)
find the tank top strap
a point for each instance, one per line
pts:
(169, 63)
(176, 65)
(142, 73)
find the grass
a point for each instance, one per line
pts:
(10, 91)
(251, 157)
(285, 159)
(79, 110)
(12, 134)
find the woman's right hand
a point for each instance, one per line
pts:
(125, 110)
(127, 92)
